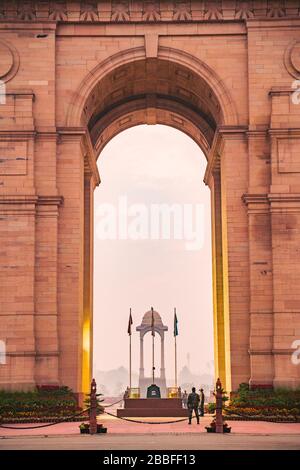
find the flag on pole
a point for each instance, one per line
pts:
(129, 324)
(152, 322)
(175, 323)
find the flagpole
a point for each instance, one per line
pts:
(153, 359)
(129, 331)
(175, 363)
(152, 323)
(175, 335)
(130, 362)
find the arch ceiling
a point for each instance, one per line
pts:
(152, 91)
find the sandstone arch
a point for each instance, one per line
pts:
(181, 58)
(48, 172)
(160, 90)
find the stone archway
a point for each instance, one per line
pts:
(152, 91)
(75, 76)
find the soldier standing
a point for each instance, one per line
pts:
(202, 398)
(193, 404)
(184, 399)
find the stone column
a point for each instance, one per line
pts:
(141, 356)
(227, 176)
(46, 258)
(260, 260)
(235, 256)
(70, 183)
(217, 271)
(162, 356)
(17, 307)
(284, 200)
(87, 359)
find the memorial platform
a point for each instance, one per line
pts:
(152, 407)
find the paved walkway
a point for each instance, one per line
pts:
(117, 426)
(186, 441)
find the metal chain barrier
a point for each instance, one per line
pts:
(45, 425)
(148, 422)
(112, 404)
(93, 415)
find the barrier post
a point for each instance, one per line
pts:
(219, 407)
(93, 408)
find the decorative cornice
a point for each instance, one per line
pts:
(31, 200)
(284, 352)
(71, 131)
(272, 202)
(284, 198)
(50, 200)
(90, 159)
(222, 133)
(32, 354)
(280, 91)
(17, 134)
(81, 134)
(270, 352)
(124, 11)
(279, 131)
(255, 199)
(263, 352)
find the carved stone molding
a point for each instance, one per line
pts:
(272, 202)
(256, 203)
(146, 11)
(255, 199)
(151, 11)
(30, 200)
(254, 352)
(292, 59)
(9, 61)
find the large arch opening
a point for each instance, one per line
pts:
(143, 170)
(177, 93)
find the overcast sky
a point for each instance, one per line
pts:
(152, 165)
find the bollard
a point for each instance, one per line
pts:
(218, 424)
(93, 408)
(219, 407)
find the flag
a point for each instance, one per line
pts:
(129, 324)
(175, 323)
(152, 322)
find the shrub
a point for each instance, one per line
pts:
(264, 402)
(38, 403)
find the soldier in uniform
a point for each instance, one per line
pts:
(202, 398)
(193, 404)
(184, 399)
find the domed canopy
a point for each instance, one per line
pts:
(147, 322)
(147, 318)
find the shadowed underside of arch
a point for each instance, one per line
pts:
(183, 90)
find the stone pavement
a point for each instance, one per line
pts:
(179, 441)
(117, 426)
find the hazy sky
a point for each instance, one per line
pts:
(150, 165)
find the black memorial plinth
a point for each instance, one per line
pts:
(153, 391)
